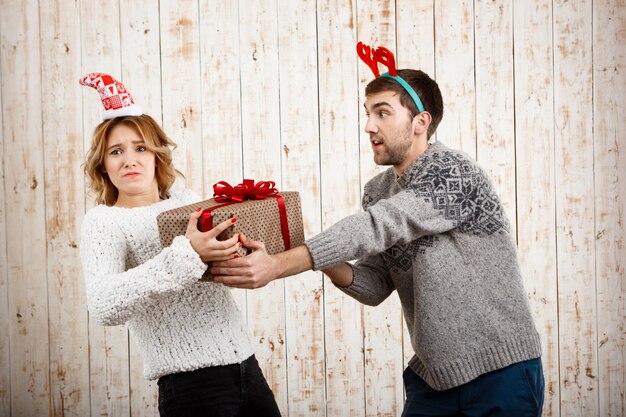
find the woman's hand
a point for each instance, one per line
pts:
(206, 244)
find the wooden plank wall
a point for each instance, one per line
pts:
(534, 90)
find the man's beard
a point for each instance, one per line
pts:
(397, 153)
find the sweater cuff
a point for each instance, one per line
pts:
(189, 259)
(324, 251)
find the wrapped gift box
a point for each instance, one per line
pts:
(257, 219)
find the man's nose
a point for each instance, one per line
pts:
(370, 126)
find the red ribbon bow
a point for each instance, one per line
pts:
(225, 193)
(247, 190)
(373, 56)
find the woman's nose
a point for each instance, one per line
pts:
(129, 162)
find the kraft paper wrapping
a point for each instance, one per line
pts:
(257, 219)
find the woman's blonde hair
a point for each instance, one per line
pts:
(155, 140)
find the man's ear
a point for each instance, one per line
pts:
(421, 122)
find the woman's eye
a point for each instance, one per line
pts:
(141, 148)
(116, 152)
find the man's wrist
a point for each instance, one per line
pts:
(292, 262)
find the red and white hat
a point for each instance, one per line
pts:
(116, 100)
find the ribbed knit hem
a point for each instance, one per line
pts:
(324, 250)
(470, 366)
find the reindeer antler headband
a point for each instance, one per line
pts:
(384, 56)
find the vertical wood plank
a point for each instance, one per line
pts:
(415, 35)
(382, 325)
(221, 95)
(141, 53)
(261, 137)
(5, 352)
(25, 208)
(535, 167)
(454, 63)
(415, 40)
(495, 117)
(181, 86)
(301, 171)
(609, 130)
(108, 346)
(64, 203)
(340, 197)
(575, 207)
(141, 74)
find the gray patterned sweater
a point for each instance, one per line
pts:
(439, 236)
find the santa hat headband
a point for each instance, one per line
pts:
(372, 57)
(116, 100)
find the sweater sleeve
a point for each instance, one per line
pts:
(115, 294)
(371, 284)
(435, 202)
(396, 220)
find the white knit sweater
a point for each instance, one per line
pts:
(178, 323)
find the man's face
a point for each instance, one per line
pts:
(389, 127)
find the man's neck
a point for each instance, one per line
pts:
(418, 148)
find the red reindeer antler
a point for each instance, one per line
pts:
(364, 53)
(373, 56)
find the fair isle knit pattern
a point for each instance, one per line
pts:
(178, 323)
(438, 236)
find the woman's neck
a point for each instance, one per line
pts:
(137, 200)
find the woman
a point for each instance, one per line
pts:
(190, 333)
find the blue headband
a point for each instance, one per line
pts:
(409, 89)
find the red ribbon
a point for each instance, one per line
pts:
(247, 190)
(225, 193)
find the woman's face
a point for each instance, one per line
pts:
(130, 166)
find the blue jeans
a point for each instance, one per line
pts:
(514, 391)
(220, 391)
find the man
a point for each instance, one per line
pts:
(434, 230)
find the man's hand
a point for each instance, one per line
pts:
(252, 271)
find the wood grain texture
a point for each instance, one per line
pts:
(573, 105)
(495, 112)
(5, 352)
(180, 86)
(455, 73)
(24, 178)
(299, 132)
(609, 132)
(64, 198)
(535, 170)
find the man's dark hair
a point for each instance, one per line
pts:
(425, 87)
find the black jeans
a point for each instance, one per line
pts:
(218, 391)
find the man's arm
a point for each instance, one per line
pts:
(259, 268)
